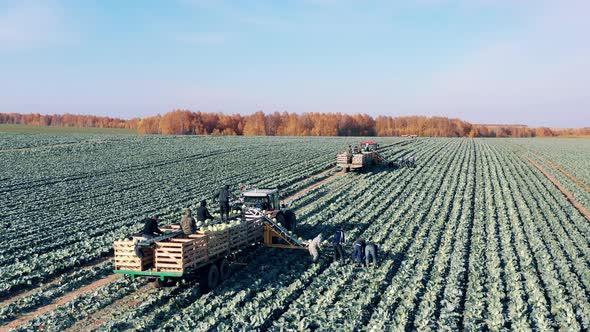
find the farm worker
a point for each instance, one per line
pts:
(371, 254)
(349, 150)
(187, 223)
(202, 212)
(315, 246)
(150, 227)
(224, 196)
(359, 251)
(337, 242)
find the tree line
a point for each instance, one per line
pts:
(184, 122)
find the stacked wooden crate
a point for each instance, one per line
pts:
(238, 236)
(343, 158)
(178, 254)
(218, 243)
(358, 159)
(126, 257)
(255, 231)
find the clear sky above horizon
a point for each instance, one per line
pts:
(484, 61)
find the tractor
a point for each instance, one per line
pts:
(268, 201)
(360, 158)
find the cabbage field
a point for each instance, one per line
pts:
(476, 237)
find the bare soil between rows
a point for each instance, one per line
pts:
(60, 301)
(563, 190)
(315, 185)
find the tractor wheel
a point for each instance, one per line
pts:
(281, 219)
(209, 278)
(224, 269)
(159, 283)
(291, 220)
(167, 282)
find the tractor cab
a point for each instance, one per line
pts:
(268, 202)
(263, 199)
(369, 146)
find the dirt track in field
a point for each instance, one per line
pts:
(42, 147)
(12, 298)
(98, 318)
(563, 190)
(315, 185)
(60, 301)
(566, 173)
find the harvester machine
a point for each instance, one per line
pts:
(207, 253)
(275, 234)
(361, 157)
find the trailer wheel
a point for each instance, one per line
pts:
(224, 269)
(159, 283)
(209, 278)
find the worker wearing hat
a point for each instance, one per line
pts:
(150, 227)
(202, 212)
(187, 223)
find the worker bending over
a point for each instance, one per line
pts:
(202, 212)
(187, 223)
(337, 242)
(371, 254)
(150, 228)
(314, 247)
(359, 252)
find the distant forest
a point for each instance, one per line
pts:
(182, 122)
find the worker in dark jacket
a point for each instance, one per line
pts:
(224, 195)
(150, 227)
(371, 254)
(359, 252)
(337, 242)
(187, 223)
(202, 212)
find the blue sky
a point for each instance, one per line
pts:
(484, 61)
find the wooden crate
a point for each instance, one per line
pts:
(362, 159)
(126, 258)
(218, 243)
(173, 227)
(238, 236)
(178, 254)
(255, 232)
(343, 158)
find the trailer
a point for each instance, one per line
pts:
(205, 255)
(360, 158)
